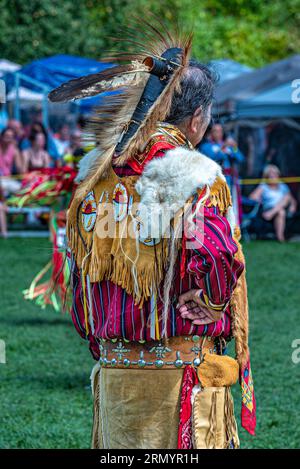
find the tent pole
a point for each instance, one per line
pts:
(17, 104)
(45, 111)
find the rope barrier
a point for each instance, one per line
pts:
(254, 181)
(243, 181)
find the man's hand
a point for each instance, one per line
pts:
(191, 307)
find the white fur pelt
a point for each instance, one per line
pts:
(230, 215)
(86, 163)
(164, 187)
(168, 182)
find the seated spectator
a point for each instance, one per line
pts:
(76, 151)
(62, 140)
(34, 129)
(18, 129)
(276, 200)
(75, 142)
(9, 163)
(225, 152)
(50, 145)
(10, 160)
(35, 157)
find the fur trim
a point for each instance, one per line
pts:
(161, 193)
(230, 215)
(88, 161)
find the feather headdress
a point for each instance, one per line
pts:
(143, 83)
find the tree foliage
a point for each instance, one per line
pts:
(253, 32)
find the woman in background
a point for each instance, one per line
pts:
(10, 162)
(276, 200)
(36, 157)
(225, 152)
(9, 153)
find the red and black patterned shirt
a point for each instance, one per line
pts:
(210, 265)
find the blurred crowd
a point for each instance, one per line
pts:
(271, 208)
(31, 147)
(25, 148)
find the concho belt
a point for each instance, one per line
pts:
(176, 352)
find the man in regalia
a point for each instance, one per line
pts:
(157, 271)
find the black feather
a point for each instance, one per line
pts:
(78, 87)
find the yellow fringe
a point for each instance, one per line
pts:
(230, 422)
(107, 262)
(156, 324)
(239, 312)
(149, 277)
(211, 435)
(220, 195)
(97, 442)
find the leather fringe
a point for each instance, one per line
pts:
(232, 439)
(239, 313)
(96, 430)
(118, 269)
(109, 264)
(212, 432)
(220, 196)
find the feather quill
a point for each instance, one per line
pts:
(109, 121)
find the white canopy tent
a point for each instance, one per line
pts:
(6, 66)
(24, 95)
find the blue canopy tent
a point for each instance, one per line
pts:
(274, 103)
(228, 69)
(258, 109)
(45, 74)
(263, 93)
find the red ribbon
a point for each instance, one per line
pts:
(185, 431)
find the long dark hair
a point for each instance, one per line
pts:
(33, 133)
(3, 132)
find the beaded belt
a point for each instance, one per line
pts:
(176, 352)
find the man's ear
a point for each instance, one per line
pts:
(194, 123)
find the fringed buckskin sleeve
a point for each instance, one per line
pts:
(218, 264)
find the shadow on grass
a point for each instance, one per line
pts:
(36, 321)
(52, 382)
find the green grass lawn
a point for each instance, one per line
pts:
(44, 386)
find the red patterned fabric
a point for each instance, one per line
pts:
(248, 411)
(165, 138)
(210, 266)
(212, 261)
(44, 186)
(158, 149)
(185, 430)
